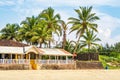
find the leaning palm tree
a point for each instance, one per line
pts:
(89, 40)
(10, 32)
(84, 22)
(52, 21)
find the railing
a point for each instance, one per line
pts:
(54, 61)
(14, 61)
(27, 61)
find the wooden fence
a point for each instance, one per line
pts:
(88, 56)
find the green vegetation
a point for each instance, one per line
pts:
(110, 55)
(84, 22)
(40, 31)
(110, 62)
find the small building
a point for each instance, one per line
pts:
(24, 54)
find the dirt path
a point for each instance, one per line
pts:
(60, 75)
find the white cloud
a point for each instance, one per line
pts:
(80, 2)
(107, 24)
(7, 2)
(11, 2)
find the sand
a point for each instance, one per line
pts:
(60, 75)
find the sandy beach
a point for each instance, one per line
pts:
(60, 75)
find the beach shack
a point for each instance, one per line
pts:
(19, 53)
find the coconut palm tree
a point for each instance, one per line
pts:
(52, 20)
(89, 40)
(10, 32)
(64, 30)
(84, 22)
(41, 34)
(26, 31)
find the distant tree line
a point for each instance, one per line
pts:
(110, 50)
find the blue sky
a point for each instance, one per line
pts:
(14, 11)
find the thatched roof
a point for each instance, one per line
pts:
(12, 43)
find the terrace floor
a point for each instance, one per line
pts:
(60, 75)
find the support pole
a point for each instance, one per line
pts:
(15, 56)
(11, 58)
(29, 58)
(3, 56)
(66, 59)
(57, 59)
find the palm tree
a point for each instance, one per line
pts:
(64, 29)
(70, 46)
(41, 34)
(10, 32)
(52, 20)
(26, 31)
(89, 40)
(84, 22)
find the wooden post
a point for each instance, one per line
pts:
(3, 56)
(57, 60)
(29, 58)
(15, 56)
(66, 59)
(10, 56)
(21, 56)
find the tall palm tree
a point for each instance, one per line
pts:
(26, 31)
(64, 30)
(84, 22)
(52, 20)
(10, 32)
(89, 40)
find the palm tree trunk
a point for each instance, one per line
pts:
(88, 48)
(77, 45)
(64, 39)
(49, 43)
(40, 45)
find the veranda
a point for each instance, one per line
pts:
(33, 55)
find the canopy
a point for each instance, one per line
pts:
(28, 49)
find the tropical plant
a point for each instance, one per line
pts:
(26, 31)
(41, 34)
(52, 21)
(10, 32)
(89, 40)
(64, 32)
(84, 22)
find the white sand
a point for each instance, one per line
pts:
(60, 75)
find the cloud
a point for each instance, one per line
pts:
(11, 2)
(6, 3)
(80, 2)
(107, 25)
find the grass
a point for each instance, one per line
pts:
(111, 62)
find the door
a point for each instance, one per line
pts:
(32, 60)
